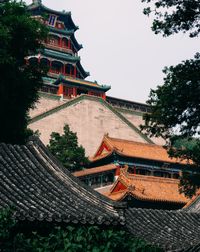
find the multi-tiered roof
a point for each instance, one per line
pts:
(66, 74)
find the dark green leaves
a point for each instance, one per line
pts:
(173, 16)
(65, 148)
(20, 36)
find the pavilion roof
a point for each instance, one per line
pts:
(133, 149)
(146, 188)
(81, 83)
(40, 188)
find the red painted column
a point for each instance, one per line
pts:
(70, 74)
(69, 43)
(104, 96)
(61, 90)
(74, 92)
(60, 42)
(64, 69)
(50, 66)
(75, 71)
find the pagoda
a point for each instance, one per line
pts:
(66, 76)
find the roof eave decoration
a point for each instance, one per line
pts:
(80, 83)
(83, 72)
(75, 42)
(61, 56)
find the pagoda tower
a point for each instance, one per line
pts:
(66, 76)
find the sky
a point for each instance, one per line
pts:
(119, 48)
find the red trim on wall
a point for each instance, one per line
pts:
(101, 148)
(119, 187)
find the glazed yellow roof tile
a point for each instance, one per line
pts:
(148, 188)
(138, 150)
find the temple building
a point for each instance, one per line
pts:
(66, 76)
(147, 191)
(141, 158)
(140, 174)
(67, 97)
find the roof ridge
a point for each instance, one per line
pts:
(132, 141)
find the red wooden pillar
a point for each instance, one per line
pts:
(61, 90)
(75, 71)
(60, 42)
(74, 91)
(50, 66)
(64, 69)
(103, 96)
(69, 44)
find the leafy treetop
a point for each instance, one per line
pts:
(65, 148)
(175, 105)
(173, 16)
(20, 36)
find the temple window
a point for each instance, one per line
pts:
(175, 175)
(53, 40)
(142, 172)
(56, 67)
(33, 61)
(45, 62)
(69, 69)
(162, 174)
(64, 42)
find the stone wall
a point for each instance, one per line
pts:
(137, 119)
(90, 119)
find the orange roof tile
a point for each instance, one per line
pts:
(94, 170)
(147, 188)
(136, 149)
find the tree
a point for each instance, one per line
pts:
(173, 16)
(65, 148)
(175, 105)
(20, 36)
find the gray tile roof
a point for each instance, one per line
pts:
(41, 189)
(171, 230)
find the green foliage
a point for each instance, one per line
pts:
(20, 36)
(175, 104)
(65, 148)
(188, 148)
(68, 238)
(173, 16)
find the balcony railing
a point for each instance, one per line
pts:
(59, 48)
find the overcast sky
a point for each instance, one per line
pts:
(119, 48)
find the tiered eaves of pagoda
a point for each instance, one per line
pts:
(66, 74)
(41, 189)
